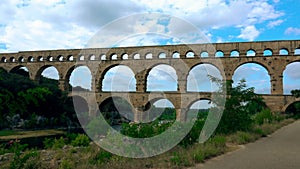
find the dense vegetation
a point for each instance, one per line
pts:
(27, 104)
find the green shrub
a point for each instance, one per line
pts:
(58, 143)
(180, 159)
(265, 116)
(81, 140)
(19, 161)
(65, 164)
(101, 157)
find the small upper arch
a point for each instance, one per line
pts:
(219, 53)
(297, 51)
(149, 56)
(60, 58)
(268, 52)
(234, 53)
(251, 52)
(204, 54)
(190, 54)
(176, 55)
(284, 51)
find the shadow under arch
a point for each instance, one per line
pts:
(116, 110)
(20, 70)
(292, 109)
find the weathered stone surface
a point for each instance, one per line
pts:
(66, 60)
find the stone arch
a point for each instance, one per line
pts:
(268, 52)
(198, 82)
(50, 59)
(81, 58)
(149, 55)
(116, 109)
(41, 70)
(60, 58)
(113, 56)
(284, 52)
(92, 57)
(127, 76)
(219, 53)
(234, 53)
(176, 55)
(40, 59)
(103, 57)
(285, 107)
(70, 58)
(192, 103)
(242, 72)
(162, 55)
(169, 76)
(3, 60)
(125, 56)
(251, 52)
(153, 112)
(21, 70)
(291, 78)
(190, 54)
(21, 59)
(30, 59)
(136, 56)
(204, 54)
(198, 106)
(68, 78)
(297, 51)
(12, 59)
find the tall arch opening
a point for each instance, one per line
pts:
(293, 109)
(80, 78)
(198, 79)
(116, 110)
(20, 70)
(255, 75)
(199, 109)
(162, 78)
(159, 109)
(119, 78)
(291, 77)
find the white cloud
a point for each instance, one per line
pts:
(36, 24)
(292, 30)
(249, 33)
(275, 23)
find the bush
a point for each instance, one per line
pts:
(81, 140)
(265, 116)
(101, 157)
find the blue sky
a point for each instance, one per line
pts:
(68, 24)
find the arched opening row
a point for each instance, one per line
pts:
(117, 110)
(164, 78)
(125, 56)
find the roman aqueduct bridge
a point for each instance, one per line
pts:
(274, 56)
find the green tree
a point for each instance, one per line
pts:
(241, 104)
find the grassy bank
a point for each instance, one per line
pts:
(75, 153)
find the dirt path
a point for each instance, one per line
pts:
(281, 150)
